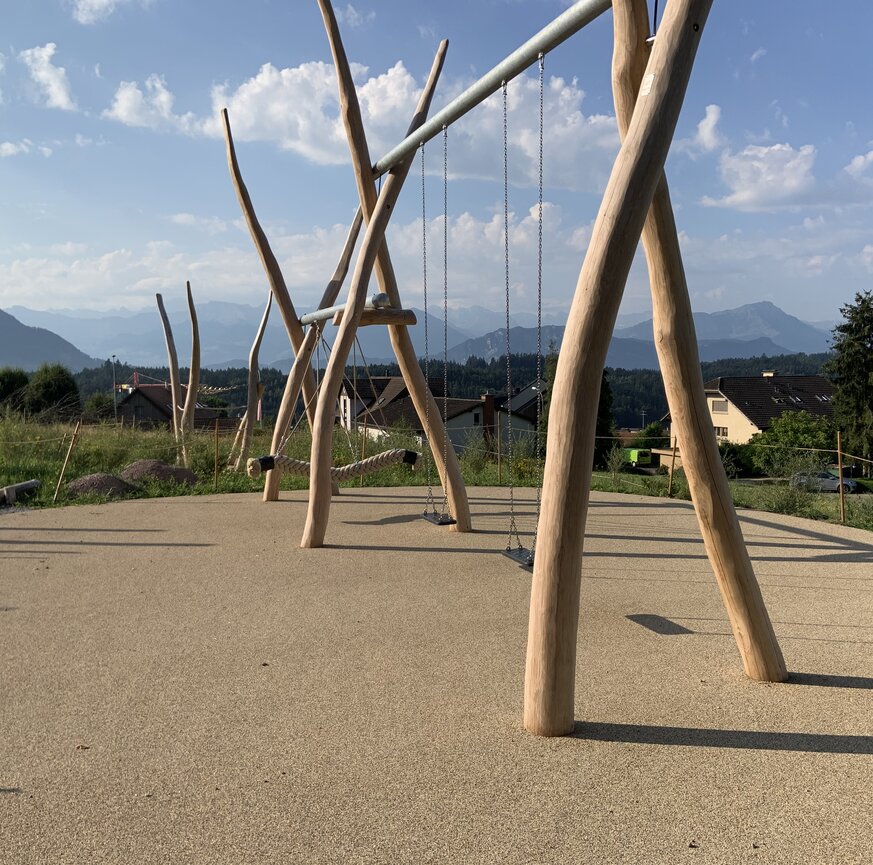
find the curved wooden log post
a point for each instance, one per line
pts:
(253, 393)
(193, 380)
(268, 260)
(322, 432)
(173, 364)
(426, 407)
(550, 674)
(676, 343)
(304, 356)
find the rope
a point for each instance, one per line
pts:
(256, 466)
(513, 527)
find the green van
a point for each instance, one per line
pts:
(638, 456)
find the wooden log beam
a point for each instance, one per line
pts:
(428, 411)
(550, 674)
(269, 262)
(322, 432)
(247, 425)
(676, 344)
(173, 364)
(381, 316)
(193, 380)
(303, 358)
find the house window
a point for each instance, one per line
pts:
(721, 432)
(475, 418)
(719, 406)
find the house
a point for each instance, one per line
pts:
(152, 405)
(463, 418)
(742, 406)
(525, 405)
(362, 400)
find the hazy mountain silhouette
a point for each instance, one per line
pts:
(29, 347)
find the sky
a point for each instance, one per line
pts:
(114, 183)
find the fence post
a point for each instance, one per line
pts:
(215, 482)
(499, 475)
(840, 470)
(66, 460)
(672, 469)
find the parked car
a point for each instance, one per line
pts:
(638, 456)
(823, 482)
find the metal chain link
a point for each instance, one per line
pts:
(513, 528)
(540, 397)
(429, 504)
(445, 315)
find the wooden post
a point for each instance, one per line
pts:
(676, 344)
(302, 361)
(193, 379)
(253, 393)
(672, 469)
(173, 363)
(270, 264)
(550, 674)
(320, 461)
(840, 470)
(215, 481)
(66, 460)
(429, 415)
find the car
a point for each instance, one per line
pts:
(823, 482)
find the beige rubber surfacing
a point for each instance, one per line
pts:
(180, 683)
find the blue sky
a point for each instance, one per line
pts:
(114, 184)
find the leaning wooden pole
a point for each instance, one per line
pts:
(428, 411)
(550, 675)
(173, 363)
(269, 262)
(193, 380)
(247, 425)
(304, 356)
(676, 344)
(322, 431)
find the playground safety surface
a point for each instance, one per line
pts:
(180, 683)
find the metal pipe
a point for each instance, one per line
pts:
(552, 35)
(377, 301)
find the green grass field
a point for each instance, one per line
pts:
(36, 450)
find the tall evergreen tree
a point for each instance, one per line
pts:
(851, 370)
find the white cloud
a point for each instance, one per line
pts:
(68, 248)
(50, 80)
(707, 138)
(209, 224)
(866, 257)
(92, 11)
(757, 55)
(861, 167)
(151, 109)
(766, 178)
(352, 17)
(297, 109)
(12, 148)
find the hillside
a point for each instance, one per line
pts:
(29, 347)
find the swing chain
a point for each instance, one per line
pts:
(513, 528)
(445, 313)
(429, 504)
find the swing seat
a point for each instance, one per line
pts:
(438, 519)
(257, 465)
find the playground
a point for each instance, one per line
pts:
(183, 683)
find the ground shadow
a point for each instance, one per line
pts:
(755, 740)
(92, 531)
(659, 624)
(822, 680)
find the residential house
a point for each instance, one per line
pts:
(152, 405)
(742, 406)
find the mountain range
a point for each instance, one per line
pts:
(29, 337)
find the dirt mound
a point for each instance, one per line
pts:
(100, 484)
(157, 470)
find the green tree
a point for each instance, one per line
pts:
(653, 436)
(52, 391)
(785, 447)
(13, 382)
(99, 406)
(851, 371)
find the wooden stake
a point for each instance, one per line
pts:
(66, 460)
(320, 461)
(254, 391)
(425, 405)
(193, 380)
(676, 344)
(840, 469)
(215, 481)
(550, 675)
(173, 363)
(672, 469)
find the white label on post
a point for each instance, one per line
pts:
(646, 87)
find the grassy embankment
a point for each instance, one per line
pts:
(35, 450)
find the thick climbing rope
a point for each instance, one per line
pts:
(257, 465)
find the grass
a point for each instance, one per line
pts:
(36, 450)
